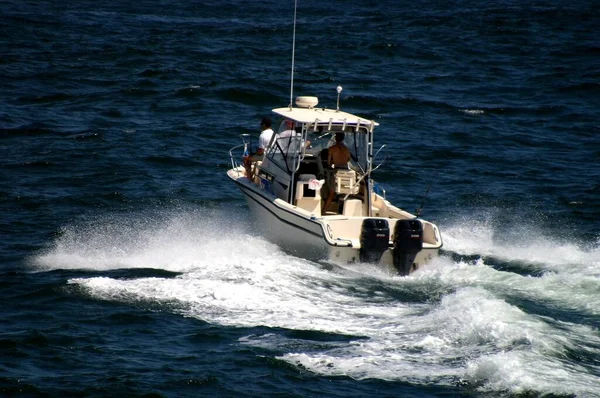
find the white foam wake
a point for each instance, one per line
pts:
(176, 241)
(528, 245)
(472, 323)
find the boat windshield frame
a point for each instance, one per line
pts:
(286, 149)
(310, 130)
(291, 145)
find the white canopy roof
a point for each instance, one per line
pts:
(322, 116)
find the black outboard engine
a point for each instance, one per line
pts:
(374, 239)
(408, 241)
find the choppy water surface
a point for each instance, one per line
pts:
(129, 265)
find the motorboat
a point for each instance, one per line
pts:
(287, 191)
(315, 206)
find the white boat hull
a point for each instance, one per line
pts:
(306, 236)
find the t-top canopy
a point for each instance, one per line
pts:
(323, 116)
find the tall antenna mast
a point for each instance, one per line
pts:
(293, 55)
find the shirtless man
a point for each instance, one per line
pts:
(339, 156)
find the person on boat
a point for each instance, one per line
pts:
(290, 137)
(263, 142)
(338, 158)
(285, 137)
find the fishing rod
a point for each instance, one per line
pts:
(418, 212)
(420, 209)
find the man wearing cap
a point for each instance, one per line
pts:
(263, 142)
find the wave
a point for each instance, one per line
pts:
(469, 336)
(139, 92)
(591, 87)
(473, 112)
(33, 129)
(171, 241)
(190, 92)
(164, 72)
(248, 96)
(43, 99)
(525, 244)
(453, 322)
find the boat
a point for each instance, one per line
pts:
(286, 193)
(322, 212)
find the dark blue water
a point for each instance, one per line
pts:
(129, 265)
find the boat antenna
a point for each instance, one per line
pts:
(339, 91)
(293, 55)
(418, 212)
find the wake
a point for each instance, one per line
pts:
(177, 241)
(527, 245)
(450, 321)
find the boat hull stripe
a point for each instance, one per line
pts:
(243, 189)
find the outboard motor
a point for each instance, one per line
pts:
(374, 239)
(408, 241)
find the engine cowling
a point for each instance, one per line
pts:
(374, 239)
(408, 242)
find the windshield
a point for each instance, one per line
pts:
(285, 148)
(356, 143)
(288, 144)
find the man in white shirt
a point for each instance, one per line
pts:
(265, 136)
(263, 142)
(290, 136)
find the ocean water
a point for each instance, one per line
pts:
(130, 267)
